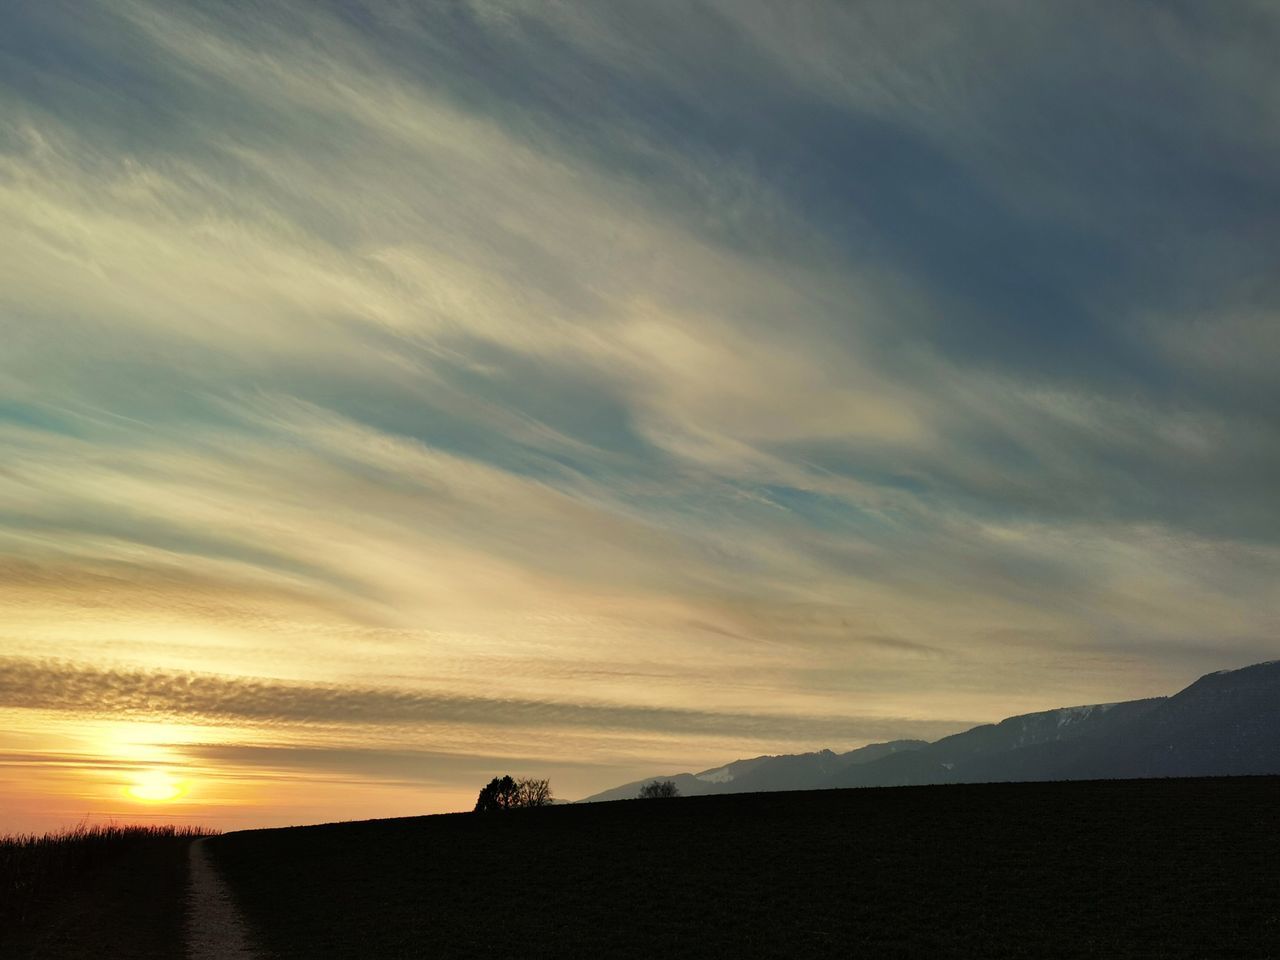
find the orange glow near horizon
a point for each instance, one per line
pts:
(58, 770)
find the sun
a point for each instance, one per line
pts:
(154, 786)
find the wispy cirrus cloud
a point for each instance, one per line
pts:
(889, 361)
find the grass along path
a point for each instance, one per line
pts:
(93, 892)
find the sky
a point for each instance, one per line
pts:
(394, 395)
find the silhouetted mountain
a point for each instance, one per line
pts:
(1018, 748)
(804, 771)
(1224, 724)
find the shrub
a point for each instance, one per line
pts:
(659, 790)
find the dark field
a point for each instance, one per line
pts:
(106, 893)
(1156, 868)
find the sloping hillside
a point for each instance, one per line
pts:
(1115, 869)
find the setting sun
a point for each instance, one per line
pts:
(154, 786)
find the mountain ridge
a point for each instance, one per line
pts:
(759, 774)
(1222, 724)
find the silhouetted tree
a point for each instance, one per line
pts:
(498, 794)
(533, 793)
(504, 793)
(659, 790)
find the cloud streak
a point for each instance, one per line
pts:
(883, 361)
(156, 695)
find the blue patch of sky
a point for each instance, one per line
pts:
(42, 417)
(828, 512)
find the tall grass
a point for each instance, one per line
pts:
(37, 868)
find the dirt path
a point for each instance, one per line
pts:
(215, 930)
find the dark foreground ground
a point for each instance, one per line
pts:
(97, 893)
(1158, 868)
